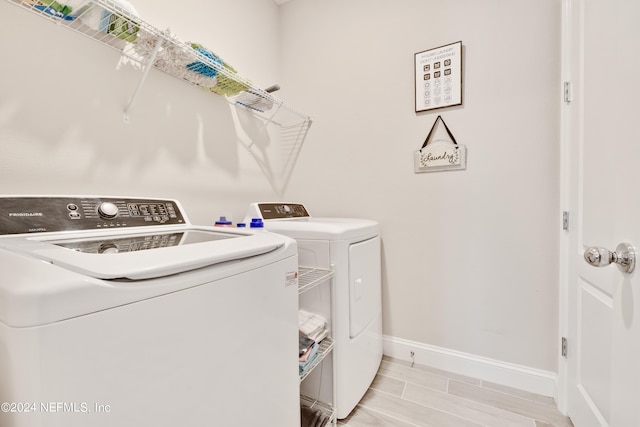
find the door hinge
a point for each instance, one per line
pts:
(567, 92)
(564, 347)
(565, 220)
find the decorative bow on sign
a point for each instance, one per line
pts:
(440, 154)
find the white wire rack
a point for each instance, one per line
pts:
(316, 404)
(324, 348)
(115, 24)
(311, 277)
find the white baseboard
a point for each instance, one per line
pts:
(521, 377)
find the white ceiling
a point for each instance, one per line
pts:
(279, 2)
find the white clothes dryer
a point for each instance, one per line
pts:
(351, 248)
(119, 312)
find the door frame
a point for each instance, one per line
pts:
(568, 196)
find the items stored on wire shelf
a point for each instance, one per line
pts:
(116, 23)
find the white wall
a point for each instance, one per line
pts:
(470, 257)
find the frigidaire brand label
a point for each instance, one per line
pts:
(26, 214)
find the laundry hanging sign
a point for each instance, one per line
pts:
(440, 154)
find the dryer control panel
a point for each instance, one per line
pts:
(45, 214)
(282, 210)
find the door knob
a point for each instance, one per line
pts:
(624, 256)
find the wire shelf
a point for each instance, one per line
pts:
(308, 278)
(113, 24)
(324, 407)
(324, 348)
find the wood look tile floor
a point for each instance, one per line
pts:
(404, 396)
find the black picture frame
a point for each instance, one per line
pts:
(438, 77)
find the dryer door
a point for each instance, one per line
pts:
(364, 284)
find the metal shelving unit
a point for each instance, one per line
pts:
(113, 24)
(309, 279)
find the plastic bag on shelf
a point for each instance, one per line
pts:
(122, 25)
(62, 10)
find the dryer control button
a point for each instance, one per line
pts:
(107, 210)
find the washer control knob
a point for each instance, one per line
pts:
(107, 210)
(108, 248)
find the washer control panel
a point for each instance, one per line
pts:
(45, 214)
(282, 210)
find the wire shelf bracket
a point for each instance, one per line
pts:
(145, 73)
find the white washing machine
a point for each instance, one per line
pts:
(119, 312)
(350, 247)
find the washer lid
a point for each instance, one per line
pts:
(143, 255)
(324, 228)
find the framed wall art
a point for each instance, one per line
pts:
(438, 77)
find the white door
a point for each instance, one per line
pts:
(603, 387)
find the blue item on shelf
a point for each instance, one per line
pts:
(202, 68)
(53, 12)
(313, 355)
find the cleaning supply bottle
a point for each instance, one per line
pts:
(223, 222)
(256, 223)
